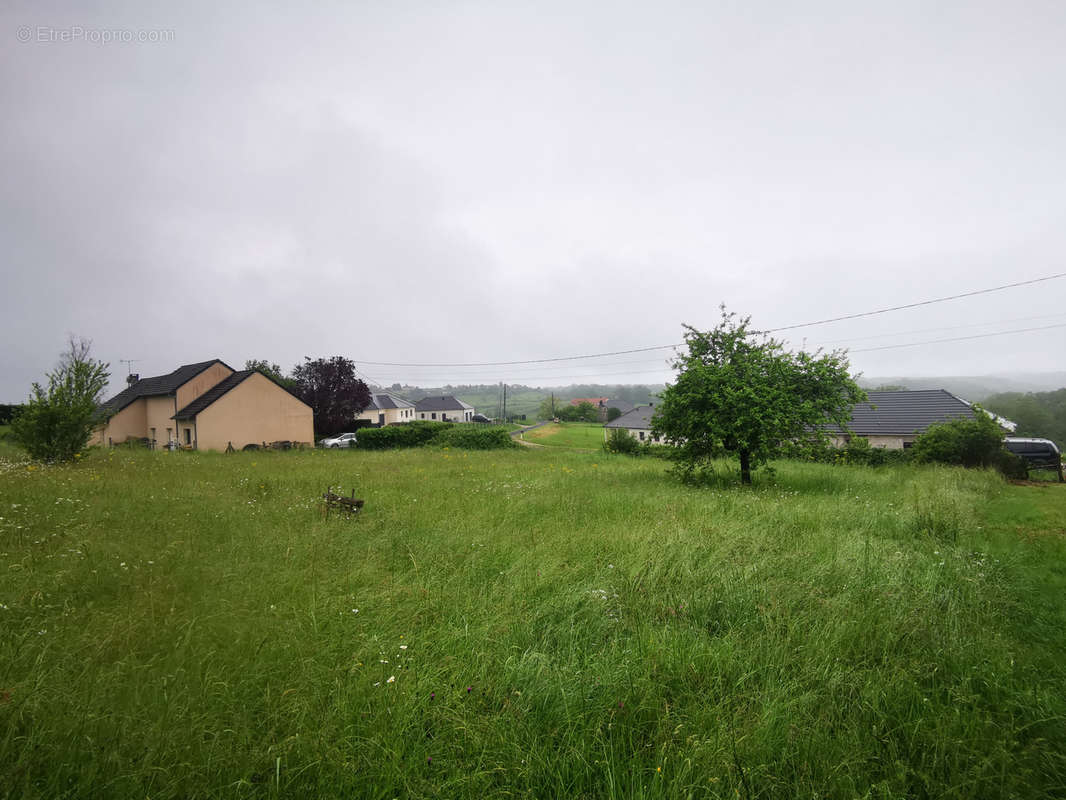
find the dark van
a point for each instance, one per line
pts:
(1036, 452)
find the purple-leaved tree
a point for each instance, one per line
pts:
(331, 388)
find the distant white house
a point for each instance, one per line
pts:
(444, 408)
(637, 423)
(388, 409)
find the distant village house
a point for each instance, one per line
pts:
(444, 408)
(387, 409)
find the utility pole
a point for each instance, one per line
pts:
(553, 405)
(505, 402)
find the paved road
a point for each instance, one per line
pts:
(517, 435)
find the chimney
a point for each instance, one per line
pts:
(132, 379)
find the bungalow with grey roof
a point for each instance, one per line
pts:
(388, 409)
(893, 420)
(637, 423)
(445, 408)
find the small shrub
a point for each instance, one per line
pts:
(620, 441)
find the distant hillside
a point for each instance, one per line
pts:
(976, 388)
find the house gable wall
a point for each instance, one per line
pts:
(130, 421)
(192, 389)
(257, 410)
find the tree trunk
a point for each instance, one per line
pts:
(745, 467)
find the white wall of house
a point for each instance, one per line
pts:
(392, 415)
(640, 434)
(448, 415)
(893, 442)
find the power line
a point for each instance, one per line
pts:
(920, 303)
(864, 350)
(941, 328)
(679, 344)
(958, 338)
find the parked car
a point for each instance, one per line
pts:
(343, 440)
(1037, 452)
(480, 418)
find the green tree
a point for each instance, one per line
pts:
(740, 392)
(586, 412)
(271, 370)
(613, 413)
(57, 421)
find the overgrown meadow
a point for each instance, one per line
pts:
(530, 623)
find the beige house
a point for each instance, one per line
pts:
(388, 409)
(206, 406)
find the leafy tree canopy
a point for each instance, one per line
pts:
(740, 392)
(331, 388)
(272, 370)
(57, 421)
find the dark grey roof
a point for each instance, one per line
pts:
(886, 413)
(159, 385)
(639, 417)
(441, 403)
(381, 402)
(212, 394)
(622, 405)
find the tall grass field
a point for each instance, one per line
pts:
(525, 623)
(579, 435)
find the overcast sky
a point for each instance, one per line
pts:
(487, 181)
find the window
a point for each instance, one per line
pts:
(642, 436)
(434, 415)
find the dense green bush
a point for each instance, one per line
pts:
(7, 412)
(856, 452)
(471, 437)
(621, 441)
(421, 433)
(409, 434)
(962, 442)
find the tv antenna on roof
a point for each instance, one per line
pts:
(129, 362)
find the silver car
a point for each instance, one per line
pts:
(344, 440)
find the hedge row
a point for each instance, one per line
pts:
(422, 433)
